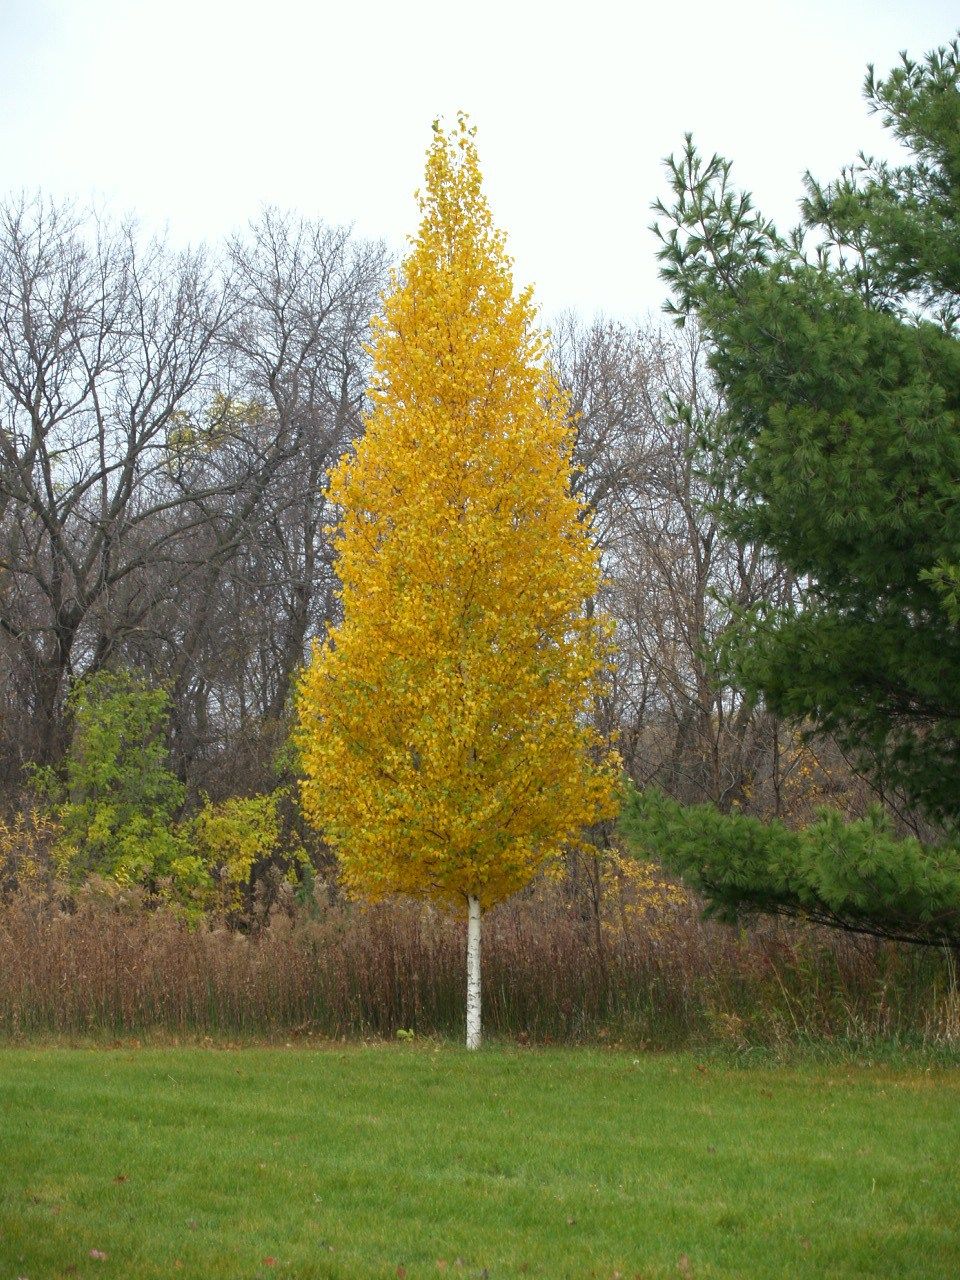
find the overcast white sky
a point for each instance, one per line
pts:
(195, 113)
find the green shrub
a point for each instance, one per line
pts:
(117, 800)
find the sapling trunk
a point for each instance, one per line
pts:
(473, 973)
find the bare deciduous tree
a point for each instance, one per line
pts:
(166, 423)
(640, 396)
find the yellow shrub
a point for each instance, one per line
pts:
(27, 849)
(229, 837)
(647, 893)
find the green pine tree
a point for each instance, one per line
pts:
(837, 352)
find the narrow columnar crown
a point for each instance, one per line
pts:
(444, 724)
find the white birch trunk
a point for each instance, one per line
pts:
(473, 973)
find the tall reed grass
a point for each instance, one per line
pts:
(558, 966)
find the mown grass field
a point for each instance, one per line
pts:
(423, 1161)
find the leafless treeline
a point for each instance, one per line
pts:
(166, 420)
(166, 423)
(643, 398)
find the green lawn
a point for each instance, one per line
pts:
(417, 1161)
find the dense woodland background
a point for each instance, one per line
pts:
(167, 423)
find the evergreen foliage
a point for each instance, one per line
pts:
(840, 447)
(854, 875)
(837, 353)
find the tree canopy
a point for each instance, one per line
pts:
(445, 727)
(837, 357)
(858, 876)
(837, 354)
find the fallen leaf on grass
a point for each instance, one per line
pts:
(401, 1272)
(121, 1177)
(268, 1262)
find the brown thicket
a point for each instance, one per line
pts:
(653, 975)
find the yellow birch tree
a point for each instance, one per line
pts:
(444, 724)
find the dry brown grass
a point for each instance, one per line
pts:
(644, 970)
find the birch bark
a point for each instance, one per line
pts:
(473, 973)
